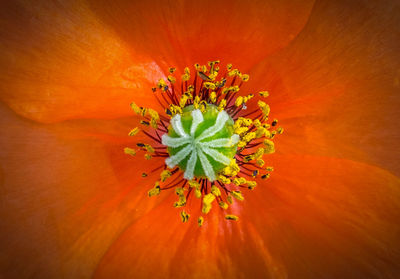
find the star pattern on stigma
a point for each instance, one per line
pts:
(197, 146)
(212, 146)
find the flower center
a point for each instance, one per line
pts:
(202, 144)
(211, 142)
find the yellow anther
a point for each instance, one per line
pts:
(162, 84)
(186, 70)
(242, 180)
(134, 131)
(229, 199)
(171, 70)
(154, 117)
(260, 132)
(280, 130)
(269, 168)
(251, 184)
(143, 111)
(236, 181)
(238, 123)
(165, 174)
(209, 198)
(207, 201)
(213, 97)
(175, 109)
(257, 123)
(229, 67)
(269, 146)
(245, 77)
(231, 217)
(264, 94)
(183, 100)
(129, 151)
(155, 191)
(179, 191)
(215, 191)
(230, 88)
(222, 104)
(203, 106)
(149, 148)
(241, 144)
(234, 165)
(212, 65)
(200, 221)
(232, 169)
(233, 72)
(188, 95)
(248, 98)
(241, 130)
(248, 158)
(197, 193)
(223, 205)
(224, 179)
(220, 83)
(237, 195)
(213, 75)
(239, 101)
(185, 77)
(227, 171)
(245, 121)
(196, 102)
(135, 108)
(260, 162)
(171, 79)
(185, 216)
(194, 184)
(209, 85)
(249, 137)
(259, 153)
(147, 156)
(264, 108)
(266, 125)
(181, 202)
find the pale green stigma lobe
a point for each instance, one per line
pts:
(202, 145)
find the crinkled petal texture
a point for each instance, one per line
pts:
(181, 33)
(58, 61)
(303, 224)
(88, 60)
(67, 191)
(74, 206)
(335, 89)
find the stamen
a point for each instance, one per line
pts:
(204, 132)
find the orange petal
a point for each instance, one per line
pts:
(335, 88)
(312, 219)
(328, 218)
(342, 50)
(67, 190)
(219, 249)
(60, 62)
(181, 33)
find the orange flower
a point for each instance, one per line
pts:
(74, 206)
